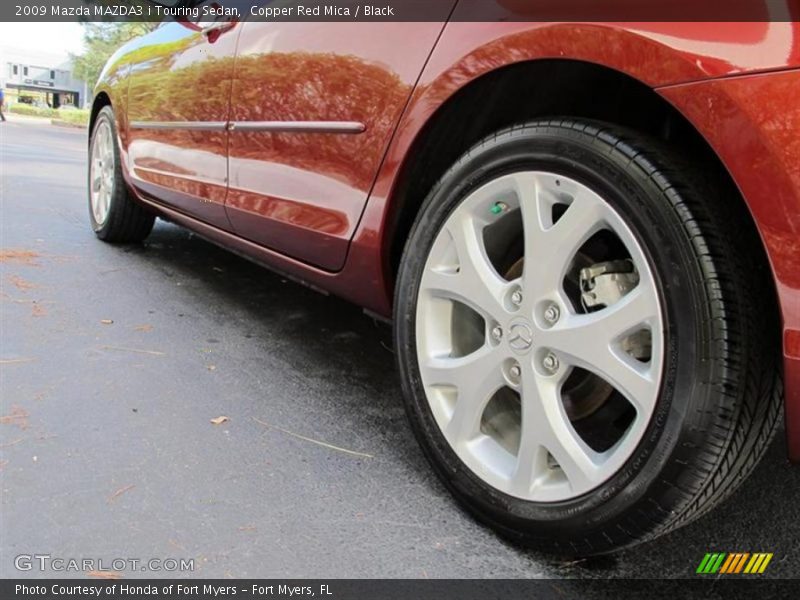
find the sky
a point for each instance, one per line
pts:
(52, 38)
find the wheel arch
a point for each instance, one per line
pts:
(509, 95)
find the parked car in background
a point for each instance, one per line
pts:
(586, 235)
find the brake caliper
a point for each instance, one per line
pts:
(605, 283)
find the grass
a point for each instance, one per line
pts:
(32, 111)
(73, 116)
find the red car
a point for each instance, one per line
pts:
(585, 233)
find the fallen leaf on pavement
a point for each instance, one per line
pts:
(120, 491)
(211, 367)
(21, 284)
(37, 310)
(220, 420)
(19, 417)
(24, 257)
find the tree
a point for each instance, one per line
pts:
(101, 40)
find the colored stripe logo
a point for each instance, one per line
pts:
(734, 563)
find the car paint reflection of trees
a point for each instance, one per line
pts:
(291, 86)
(331, 171)
(284, 185)
(175, 76)
(302, 86)
(334, 88)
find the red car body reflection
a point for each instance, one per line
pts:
(324, 205)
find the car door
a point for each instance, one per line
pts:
(178, 105)
(314, 106)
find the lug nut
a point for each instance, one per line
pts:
(497, 333)
(515, 372)
(552, 314)
(516, 297)
(550, 363)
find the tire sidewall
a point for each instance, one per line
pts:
(654, 221)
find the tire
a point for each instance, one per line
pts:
(713, 364)
(114, 214)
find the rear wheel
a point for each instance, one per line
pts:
(586, 358)
(115, 216)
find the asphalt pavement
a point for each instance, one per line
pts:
(115, 359)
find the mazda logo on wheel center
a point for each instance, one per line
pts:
(520, 337)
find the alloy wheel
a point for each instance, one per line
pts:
(540, 336)
(101, 176)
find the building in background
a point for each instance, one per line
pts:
(40, 79)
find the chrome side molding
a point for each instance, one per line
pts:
(189, 125)
(299, 126)
(347, 127)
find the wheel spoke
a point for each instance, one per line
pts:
(545, 428)
(476, 377)
(591, 341)
(550, 246)
(532, 455)
(574, 457)
(105, 147)
(475, 283)
(103, 203)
